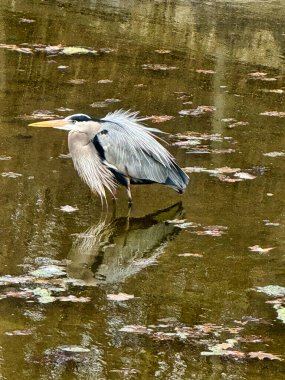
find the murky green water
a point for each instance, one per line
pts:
(185, 306)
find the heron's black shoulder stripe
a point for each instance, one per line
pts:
(99, 147)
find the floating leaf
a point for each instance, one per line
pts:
(26, 20)
(68, 208)
(160, 118)
(19, 332)
(71, 50)
(5, 158)
(163, 51)
(238, 124)
(272, 290)
(243, 175)
(274, 154)
(72, 298)
(74, 349)
(273, 114)
(190, 255)
(11, 174)
(137, 329)
(258, 249)
(104, 81)
(120, 297)
(76, 81)
(200, 71)
(263, 355)
(200, 110)
(43, 295)
(48, 271)
(158, 67)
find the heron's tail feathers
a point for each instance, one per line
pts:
(177, 179)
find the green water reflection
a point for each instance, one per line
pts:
(144, 254)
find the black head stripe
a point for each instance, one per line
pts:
(79, 117)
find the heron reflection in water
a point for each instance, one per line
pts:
(110, 252)
(118, 149)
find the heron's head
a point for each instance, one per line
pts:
(77, 122)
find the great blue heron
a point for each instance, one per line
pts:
(118, 149)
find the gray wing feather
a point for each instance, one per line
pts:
(133, 151)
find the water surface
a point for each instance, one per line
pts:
(159, 57)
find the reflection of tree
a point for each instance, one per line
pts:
(110, 252)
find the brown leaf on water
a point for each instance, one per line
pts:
(258, 249)
(190, 255)
(158, 67)
(200, 71)
(264, 355)
(136, 329)
(238, 124)
(19, 332)
(120, 297)
(160, 118)
(200, 110)
(257, 74)
(273, 113)
(72, 298)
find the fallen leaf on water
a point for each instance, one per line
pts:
(160, 118)
(26, 20)
(243, 175)
(200, 110)
(274, 154)
(76, 81)
(238, 124)
(275, 91)
(258, 249)
(273, 113)
(72, 298)
(48, 271)
(74, 349)
(257, 74)
(120, 297)
(68, 208)
(158, 67)
(43, 295)
(137, 329)
(190, 254)
(104, 81)
(71, 50)
(200, 71)
(228, 120)
(272, 290)
(40, 114)
(19, 332)
(5, 158)
(11, 174)
(263, 355)
(163, 51)
(64, 109)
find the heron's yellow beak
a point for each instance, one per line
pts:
(50, 123)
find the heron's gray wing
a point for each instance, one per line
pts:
(131, 149)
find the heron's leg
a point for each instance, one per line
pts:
(130, 201)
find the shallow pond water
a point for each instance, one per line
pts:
(179, 288)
